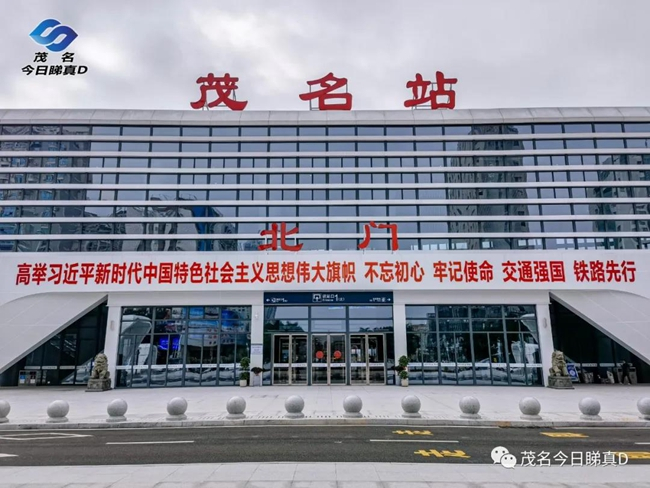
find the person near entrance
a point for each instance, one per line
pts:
(625, 378)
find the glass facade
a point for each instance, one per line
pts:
(115, 188)
(328, 344)
(593, 353)
(182, 346)
(210, 188)
(473, 345)
(65, 358)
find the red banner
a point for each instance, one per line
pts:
(181, 272)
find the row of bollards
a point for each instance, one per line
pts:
(589, 408)
(5, 408)
(530, 408)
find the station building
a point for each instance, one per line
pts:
(323, 245)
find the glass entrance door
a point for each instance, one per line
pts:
(338, 360)
(367, 359)
(320, 359)
(289, 359)
(376, 359)
(328, 359)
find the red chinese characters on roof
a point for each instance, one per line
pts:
(284, 233)
(224, 88)
(394, 245)
(330, 95)
(329, 92)
(426, 92)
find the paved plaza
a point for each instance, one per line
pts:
(325, 404)
(321, 475)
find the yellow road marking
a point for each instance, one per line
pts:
(563, 434)
(412, 432)
(441, 454)
(635, 454)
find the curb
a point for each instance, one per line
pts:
(321, 422)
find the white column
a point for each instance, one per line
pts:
(111, 344)
(257, 335)
(545, 337)
(399, 325)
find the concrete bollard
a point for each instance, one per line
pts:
(236, 407)
(411, 406)
(352, 406)
(469, 407)
(294, 406)
(176, 409)
(643, 405)
(57, 411)
(590, 408)
(530, 408)
(5, 408)
(116, 410)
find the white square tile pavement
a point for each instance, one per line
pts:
(224, 484)
(234, 472)
(359, 484)
(274, 472)
(356, 472)
(191, 473)
(268, 484)
(315, 472)
(314, 484)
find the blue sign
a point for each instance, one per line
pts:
(573, 372)
(64, 34)
(163, 343)
(330, 297)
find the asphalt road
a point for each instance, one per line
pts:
(309, 444)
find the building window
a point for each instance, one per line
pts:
(478, 344)
(182, 345)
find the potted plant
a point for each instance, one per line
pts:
(244, 376)
(402, 368)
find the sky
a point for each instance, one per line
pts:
(148, 54)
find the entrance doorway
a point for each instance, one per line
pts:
(328, 359)
(367, 359)
(290, 359)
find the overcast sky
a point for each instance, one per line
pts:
(147, 54)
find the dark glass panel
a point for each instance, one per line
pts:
(284, 131)
(399, 131)
(136, 131)
(456, 130)
(227, 132)
(607, 128)
(112, 130)
(166, 131)
(196, 131)
(254, 131)
(548, 129)
(577, 128)
(312, 131)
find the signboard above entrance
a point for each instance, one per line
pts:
(325, 298)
